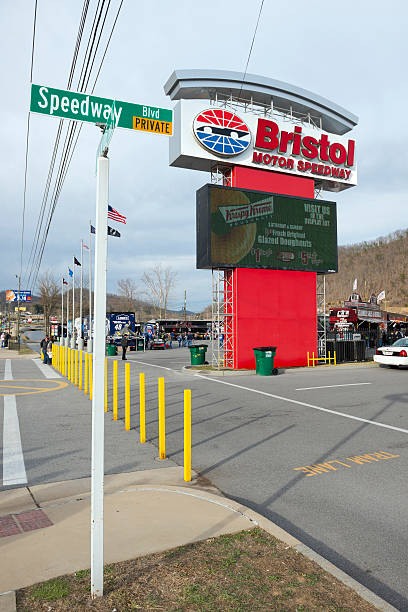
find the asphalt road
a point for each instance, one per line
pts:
(260, 440)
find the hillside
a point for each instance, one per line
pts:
(378, 265)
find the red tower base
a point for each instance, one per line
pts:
(274, 308)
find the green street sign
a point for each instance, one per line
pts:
(93, 109)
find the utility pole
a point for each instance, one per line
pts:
(18, 310)
(185, 302)
(80, 339)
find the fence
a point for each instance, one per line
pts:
(313, 361)
(77, 367)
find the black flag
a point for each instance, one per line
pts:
(76, 262)
(111, 231)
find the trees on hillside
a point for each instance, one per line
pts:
(158, 284)
(127, 289)
(49, 292)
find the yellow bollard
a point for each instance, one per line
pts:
(65, 360)
(86, 374)
(69, 364)
(90, 376)
(80, 371)
(142, 408)
(115, 390)
(329, 357)
(187, 435)
(162, 421)
(72, 365)
(313, 359)
(335, 363)
(127, 396)
(307, 358)
(76, 367)
(106, 385)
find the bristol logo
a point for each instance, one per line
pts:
(221, 132)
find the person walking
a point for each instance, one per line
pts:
(124, 344)
(3, 339)
(43, 345)
(49, 351)
(180, 340)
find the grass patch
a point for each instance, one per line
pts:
(241, 572)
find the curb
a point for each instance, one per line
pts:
(8, 601)
(259, 520)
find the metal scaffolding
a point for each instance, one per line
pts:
(222, 332)
(321, 314)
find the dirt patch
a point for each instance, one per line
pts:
(247, 571)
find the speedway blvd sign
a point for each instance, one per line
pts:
(77, 106)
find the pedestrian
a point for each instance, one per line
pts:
(190, 339)
(49, 351)
(124, 344)
(43, 345)
(3, 339)
(180, 340)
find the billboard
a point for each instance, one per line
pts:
(12, 296)
(243, 228)
(205, 136)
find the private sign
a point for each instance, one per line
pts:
(93, 109)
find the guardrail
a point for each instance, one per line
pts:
(76, 366)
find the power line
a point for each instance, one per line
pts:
(66, 155)
(250, 50)
(27, 143)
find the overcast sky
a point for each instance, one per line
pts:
(353, 53)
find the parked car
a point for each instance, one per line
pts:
(395, 355)
(157, 344)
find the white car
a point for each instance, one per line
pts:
(395, 355)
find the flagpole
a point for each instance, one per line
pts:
(62, 312)
(80, 339)
(73, 306)
(90, 291)
(67, 343)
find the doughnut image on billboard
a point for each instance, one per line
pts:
(243, 228)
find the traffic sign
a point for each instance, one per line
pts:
(93, 109)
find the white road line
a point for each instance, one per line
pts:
(153, 365)
(7, 370)
(331, 386)
(292, 401)
(45, 369)
(13, 461)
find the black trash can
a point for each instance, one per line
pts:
(264, 358)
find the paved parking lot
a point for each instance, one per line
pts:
(322, 452)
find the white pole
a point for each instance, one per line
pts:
(62, 312)
(90, 291)
(80, 338)
(67, 343)
(73, 306)
(98, 399)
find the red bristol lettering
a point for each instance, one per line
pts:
(269, 137)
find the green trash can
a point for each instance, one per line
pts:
(140, 344)
(197, 354)
(111, 350)
(264, 356)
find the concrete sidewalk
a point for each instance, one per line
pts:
(45, 529)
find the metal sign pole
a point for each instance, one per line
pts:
(80, 337)
(89, 342)
(98, 399)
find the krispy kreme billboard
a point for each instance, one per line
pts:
(244, 228)
(205, 135)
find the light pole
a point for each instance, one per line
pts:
(18, 310)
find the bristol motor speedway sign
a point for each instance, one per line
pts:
(205, 135)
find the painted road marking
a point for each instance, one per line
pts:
(13, 461)
(292, 401)
(327, 466)
(331, 386)
(48, 371)
(31, 390)
(7, 370)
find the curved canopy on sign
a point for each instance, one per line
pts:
(207, 84)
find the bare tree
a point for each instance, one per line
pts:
(159, 282)
(128, 290)
(49, 290)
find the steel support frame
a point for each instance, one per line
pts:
(222, 318)
(321, 314)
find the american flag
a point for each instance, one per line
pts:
(115, 215)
